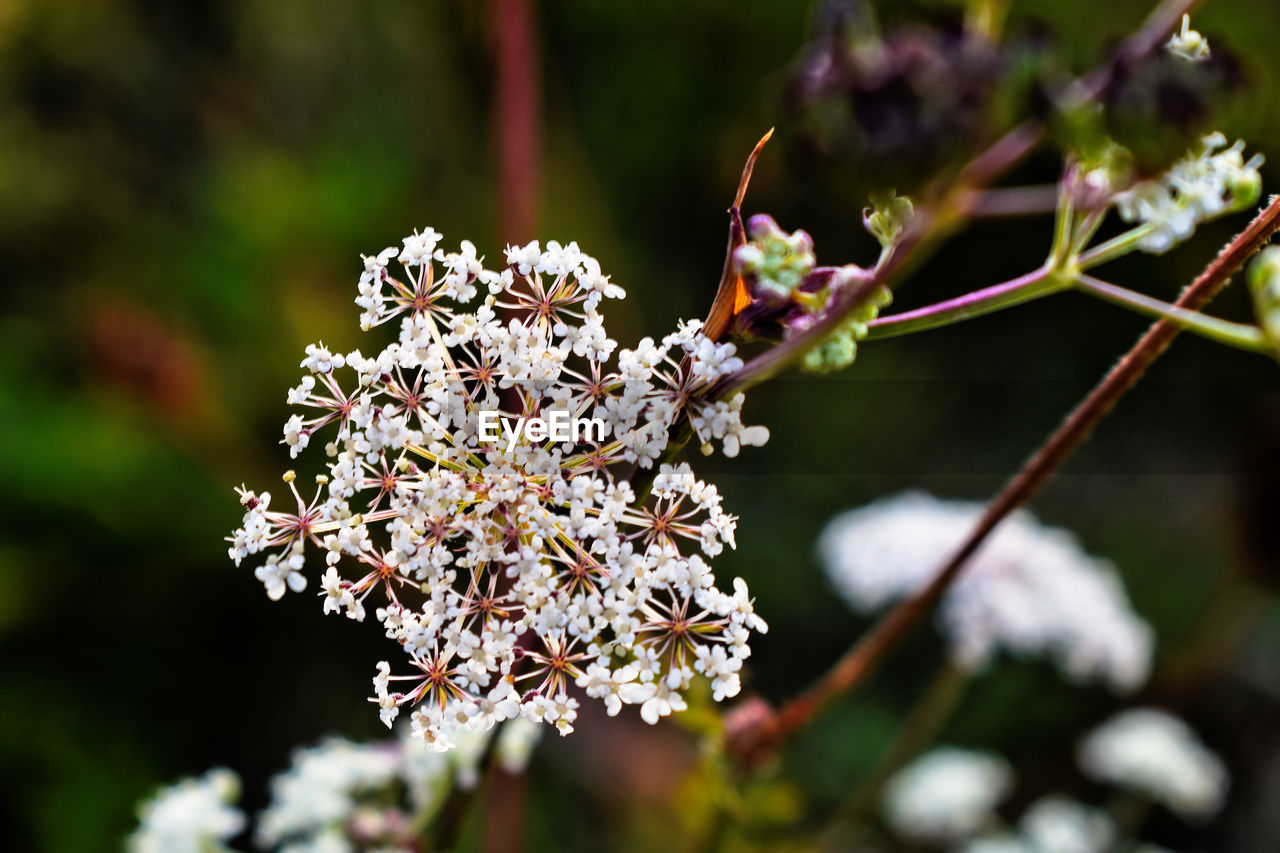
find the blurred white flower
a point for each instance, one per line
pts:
(515, 744)
(1188, 43)
(1059, 825)
(1001, 843)
(1030, 589)
(321, 791)
(192, 816)
(946, 794)
(1158, 755)
(1209, 182)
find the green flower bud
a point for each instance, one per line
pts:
(888, 217)
(1264, 284)
(840, 348)
(775, 261)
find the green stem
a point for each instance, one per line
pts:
(1033, 285)
(1116, 247)
(1239, 335)
(1086, 229)
(1064, 229)
(926, 719)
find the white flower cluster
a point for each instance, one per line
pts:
(1029, 589)
(192, 816)
(1053, 824)
(1159, 756)
(336, 797)
(946, 795)
(509, 574)
(1210, 182)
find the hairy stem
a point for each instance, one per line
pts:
(860, 660)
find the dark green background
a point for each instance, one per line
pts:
(184, 191)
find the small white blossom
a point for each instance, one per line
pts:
(1212, 181)
(946, 795)
(193, 816)
(516, 740)
(1059, 825)
(1157, 754)
(1030, 589)
(1188, 43)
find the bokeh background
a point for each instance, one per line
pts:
(185, 189)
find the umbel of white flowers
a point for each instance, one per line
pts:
(1156, 754)
(509, 574)
(949, 795)
(336, 796)
(1030, 590)
(1209, 182)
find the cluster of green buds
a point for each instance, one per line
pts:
(790, 294)
(1264, 283)
(888, 217)
(776, 261)
(838, 350)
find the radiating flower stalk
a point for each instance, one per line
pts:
(512, 568)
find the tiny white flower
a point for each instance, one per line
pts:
(946, 795)
(1160, 756)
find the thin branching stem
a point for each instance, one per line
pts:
(854, 667)
(994, 298)
(1239, 335)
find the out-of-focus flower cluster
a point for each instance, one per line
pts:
(511, 570)
(192, 816)
(1212, 181)
(1159, 756)
(946, 794)
(948, 797)
(336, 797)
(1030, 589)
(790, 295)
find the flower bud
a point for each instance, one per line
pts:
(1264, 284)
(888, 217)
(774, 262)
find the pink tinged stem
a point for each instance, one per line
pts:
(975, 304)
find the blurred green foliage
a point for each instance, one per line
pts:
(185, 189)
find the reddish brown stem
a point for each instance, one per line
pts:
(517, 136)
(861, 659)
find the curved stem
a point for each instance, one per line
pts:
(860, 660)
(1004, 295)
(1239, 335)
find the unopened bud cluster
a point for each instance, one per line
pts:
(790, 295)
